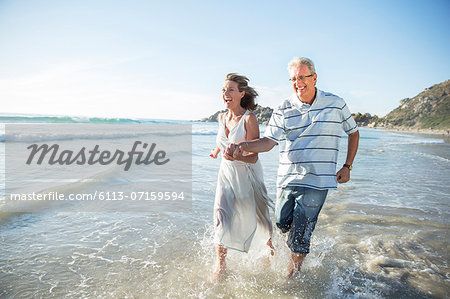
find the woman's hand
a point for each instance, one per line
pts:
(214, 153)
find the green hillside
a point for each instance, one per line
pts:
(430, 109)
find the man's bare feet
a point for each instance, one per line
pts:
(295, 265)
(292, 272)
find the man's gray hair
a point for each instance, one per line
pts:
(297, 61)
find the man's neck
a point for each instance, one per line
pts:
(311, 100)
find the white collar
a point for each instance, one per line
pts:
(299, 105)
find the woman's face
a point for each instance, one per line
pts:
(231, 94)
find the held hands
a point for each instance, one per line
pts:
(343, 175)
(233, 152)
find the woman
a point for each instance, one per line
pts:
(241, 201)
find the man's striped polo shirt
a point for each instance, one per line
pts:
(308, 136)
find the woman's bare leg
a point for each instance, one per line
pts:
(269, 243)
(221, 266)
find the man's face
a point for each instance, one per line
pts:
(304, 84)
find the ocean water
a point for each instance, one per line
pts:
(383, 234)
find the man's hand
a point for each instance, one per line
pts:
(343, 175)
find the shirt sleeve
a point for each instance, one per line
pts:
(348, 123)
(275, 129)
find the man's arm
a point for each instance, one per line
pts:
(343, 175)
(256, 146)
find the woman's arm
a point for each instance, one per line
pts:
(216, 150)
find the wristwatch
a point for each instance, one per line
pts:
(348, 166)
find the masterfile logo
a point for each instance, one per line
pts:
(97, 167)
(53, 155)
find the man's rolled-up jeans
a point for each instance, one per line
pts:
(296, 211)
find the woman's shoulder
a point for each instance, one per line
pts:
(250, 118)
(250, 115)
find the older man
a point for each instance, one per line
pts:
(308, 127)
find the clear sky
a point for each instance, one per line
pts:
(168, 59)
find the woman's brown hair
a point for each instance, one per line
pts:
(248, 101)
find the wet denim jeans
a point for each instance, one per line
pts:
(296, 211)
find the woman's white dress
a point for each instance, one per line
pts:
(241, 202)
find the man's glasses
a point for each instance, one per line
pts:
(300, 78)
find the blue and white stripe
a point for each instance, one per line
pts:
(308, 136)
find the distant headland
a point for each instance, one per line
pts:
(429, 110)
